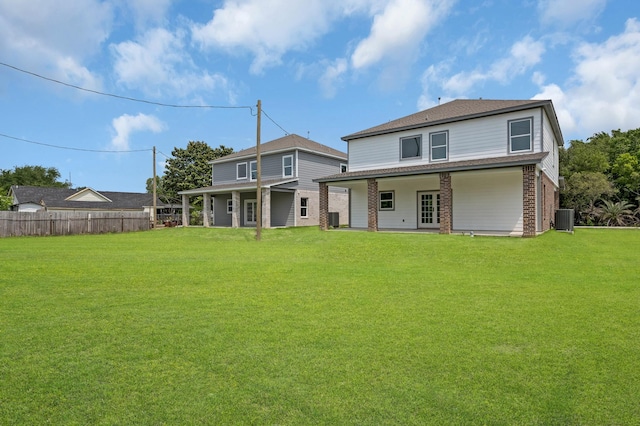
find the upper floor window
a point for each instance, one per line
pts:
(520, 135)
(287, 166)
(343, 168)
(439, 143)
(411, 147)
(241, 171)
(254, 170)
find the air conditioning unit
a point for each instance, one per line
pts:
(564, 220)
(334, 219)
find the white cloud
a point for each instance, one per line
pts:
(127, 124)
(566, 13)
(148, 12)
(398, 30)
(158, 64)
(333, 76)
(55, 37)
(603, 92)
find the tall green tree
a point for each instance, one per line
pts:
(31, 176)
(189, 167)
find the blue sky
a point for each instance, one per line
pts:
(322, 68)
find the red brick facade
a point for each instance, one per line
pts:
(323, 218)
(550, 202)
(529, 200)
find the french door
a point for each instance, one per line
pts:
(428, 209)
(250, 207)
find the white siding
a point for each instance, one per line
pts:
(488, 200)
(359, 218)
(484, 137)
(550, 144)
(405, 213)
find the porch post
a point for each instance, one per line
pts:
(372, 205)
(446, 204)
(529, 200)
(185, 210)
(324, 206)
(266, 208)
(235, 209)
(206, 209)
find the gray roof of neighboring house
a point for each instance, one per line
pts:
(484, 163)
(57, 198)
(285, 143)
(458, 110)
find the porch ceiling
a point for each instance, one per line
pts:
(244, 186)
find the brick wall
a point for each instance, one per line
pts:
(549, 202)
(323, 216)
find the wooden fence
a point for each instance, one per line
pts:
(14, 224)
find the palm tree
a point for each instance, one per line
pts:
(616, 214)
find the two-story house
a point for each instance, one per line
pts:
(290, 197)
(482, 166)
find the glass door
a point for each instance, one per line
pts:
(250, 207)
(428, 209)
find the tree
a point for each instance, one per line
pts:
(584, 189)
(626, 172)
(31, 175)
(616, 214)
(5, 202)
(189, 168)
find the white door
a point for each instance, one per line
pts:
(428, 209)
(250, 212)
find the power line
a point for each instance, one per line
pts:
(127, 98)
(72, 148)
(273, 121)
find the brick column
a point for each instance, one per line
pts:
(206, 210)
(372, 205)
(529, 200)
(185, 210)
(323, 218)
(235, 209)
(266, 208)
(446, 204)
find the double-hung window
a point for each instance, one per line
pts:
(385, 200)
(230, 206)
(520, 135)
(439, 142)
(304, 207)
(253, 166)
(343, 168)
(410, 147)
(287, 166)
(241, 171)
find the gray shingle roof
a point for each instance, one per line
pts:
(292, 141)
(57, 198)
(483, 163)
(457, 110)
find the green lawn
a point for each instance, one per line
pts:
(208, 326)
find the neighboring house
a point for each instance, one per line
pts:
(289, 194)
(35, 198)
(482, 166)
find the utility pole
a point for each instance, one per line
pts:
(258, 177)
(155, 208)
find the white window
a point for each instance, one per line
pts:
(386, 200)
(230, 206)
(411, 147)
(304, 207)
(241, 171)
(254, 170)
(439, 143)
(287, 166)
(520, 132)
(343, 168)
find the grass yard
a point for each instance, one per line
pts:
(208, 326)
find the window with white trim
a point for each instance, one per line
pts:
(253, 166)
(230, 206)
(343, 168)
(304, 207)
(520, 135)
(439, 142)
(410, 147)
(241, 171)
(287, 166)
(385, 200)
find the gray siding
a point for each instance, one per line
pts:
(282, 208)
(225, 173)
(221, 217)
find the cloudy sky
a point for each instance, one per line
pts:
(322, 69)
